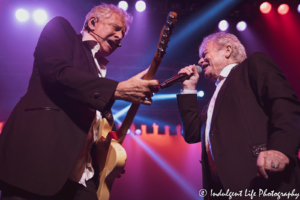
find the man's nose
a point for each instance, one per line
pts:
(119, 34)
(201, 61)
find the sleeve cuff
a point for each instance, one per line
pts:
(188, 91)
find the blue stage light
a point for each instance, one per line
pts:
(200, 93)
(121, 112)
(163, 97)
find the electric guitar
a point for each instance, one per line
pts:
(110, 155)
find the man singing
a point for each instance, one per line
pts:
(45, 146)
(250, 130)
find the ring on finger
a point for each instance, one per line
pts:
(274, 166)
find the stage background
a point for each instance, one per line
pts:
(160, 164)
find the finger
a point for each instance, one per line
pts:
(189, 70)
(154, 89)
(141, 74)
(147, 102)
(182, 71)
(152, 83)
(260, 166)
(195, 70)
(275, 166)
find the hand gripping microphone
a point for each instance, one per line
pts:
(178, 78)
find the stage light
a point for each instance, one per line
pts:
(299, 8)
(22, 15)
(40, 16)
(241, 26)
(138, 131)
(283, 9)
(123, 5)
(140, 6)
(265, 7)
(200, 93)
(223, 25)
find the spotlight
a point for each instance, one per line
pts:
(123, 5)
(299, 8)
(223, 25)
(40, 16)
(140, 6)
(138, 131)
(22, 15)
(283, 9)
(200, 93)
(241, 26)
(265, 7)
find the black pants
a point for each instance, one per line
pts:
(70, 191)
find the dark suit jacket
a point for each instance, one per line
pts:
(46, 131)
(256, 109)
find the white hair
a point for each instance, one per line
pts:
(222, 39)
(104, 11)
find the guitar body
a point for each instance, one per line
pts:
(113, 166)
(110, 155)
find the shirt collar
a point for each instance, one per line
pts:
(94, 46)
(225, 72)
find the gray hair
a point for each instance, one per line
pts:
(104, 11)
(222, 39)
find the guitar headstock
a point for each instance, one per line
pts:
(165, 34)
(162, 44)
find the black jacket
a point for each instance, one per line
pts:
(46, 131)
(256, 109)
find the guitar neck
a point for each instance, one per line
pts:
(162, 45)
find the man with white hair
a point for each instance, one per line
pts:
(250, 130)
(46, 146)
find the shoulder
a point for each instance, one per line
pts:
(259, 57)
(59, 23)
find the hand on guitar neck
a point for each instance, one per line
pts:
(137, 90)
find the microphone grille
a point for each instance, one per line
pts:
(199, 69)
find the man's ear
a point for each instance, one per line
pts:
(228, 51)
(91, 23)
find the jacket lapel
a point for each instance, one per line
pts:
(221, 95)
(89, 56)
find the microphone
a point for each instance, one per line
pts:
(178, 78)
(115, 43)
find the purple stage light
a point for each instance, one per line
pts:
(123, 5)
(140, 6)
(241, 26)
(138, 131)
(223, 25)
(299, 8)
(40, 16)
(22, 15)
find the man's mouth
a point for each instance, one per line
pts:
(113, 44)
